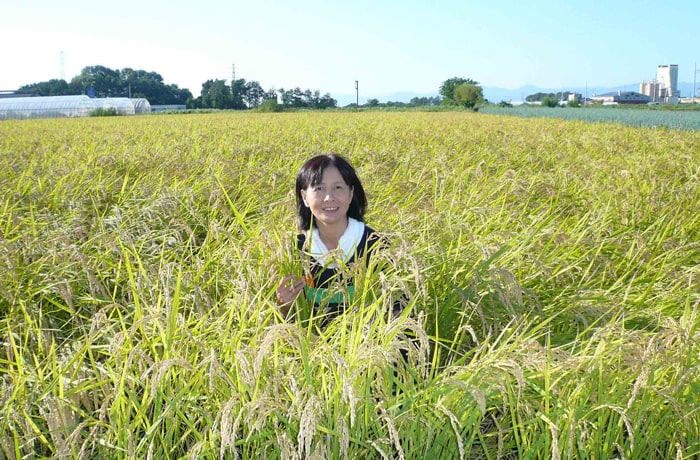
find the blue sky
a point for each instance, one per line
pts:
(388, 46)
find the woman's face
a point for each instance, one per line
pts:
(329, 201)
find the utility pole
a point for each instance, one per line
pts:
(357, 95)
(233, 73)
(695, 75)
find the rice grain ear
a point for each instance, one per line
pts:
(286, 446)
(343, 435)
(61, 421)
(161, 368)
(381, 451)
(7, 447)
(310, 416)
(228, 427)
(456, 428)
(393, 432)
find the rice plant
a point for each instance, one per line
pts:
(551, 269)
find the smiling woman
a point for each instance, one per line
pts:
(331, 204)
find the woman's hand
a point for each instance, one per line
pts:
(288, 290)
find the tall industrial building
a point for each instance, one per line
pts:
(667, 76)
(650, 88)
(665, 87)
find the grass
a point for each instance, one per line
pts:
(552, 269)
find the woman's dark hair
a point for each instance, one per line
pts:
(311, 173)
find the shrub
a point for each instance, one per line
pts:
(549, 101)
(104, 112)
(269, 105)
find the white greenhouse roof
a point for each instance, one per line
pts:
(67, 106)
(141, 105)
(122, 104)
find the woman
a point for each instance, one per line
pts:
(331, 204)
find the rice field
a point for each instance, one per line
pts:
(552, 267)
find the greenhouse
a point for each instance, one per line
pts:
(122, 105)
(67, 106)
(141, 105)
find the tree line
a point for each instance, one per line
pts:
(101, 81)
(242, 94)
(430, 101)
(456, 91)
(539, 97)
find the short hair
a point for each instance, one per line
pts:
(311, 173)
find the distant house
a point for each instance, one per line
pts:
(622, 97)
(16, 93)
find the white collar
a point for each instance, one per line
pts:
(347, 245)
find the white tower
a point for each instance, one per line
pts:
(667, 77)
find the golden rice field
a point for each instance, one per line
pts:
(552, 266)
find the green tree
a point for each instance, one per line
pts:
(150, 85)
(238, 94)
(139, 83)
(308, 98)
(52, 87)
(292, 97)
(325, 102)
(448, 87)
(550, 101)
(115, 83)
(254, 94)
(468, 95)
(215, 95)
(298, 98)
(424, 101)
(539, 97)
(104, 81)
(271, 94)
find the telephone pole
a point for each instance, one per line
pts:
(695, 76)
(357, 95)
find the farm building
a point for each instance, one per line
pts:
(622, 97)
(67, 106)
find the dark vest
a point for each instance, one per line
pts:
(324, 292)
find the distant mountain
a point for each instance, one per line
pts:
(495, 94)
(519, 94)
